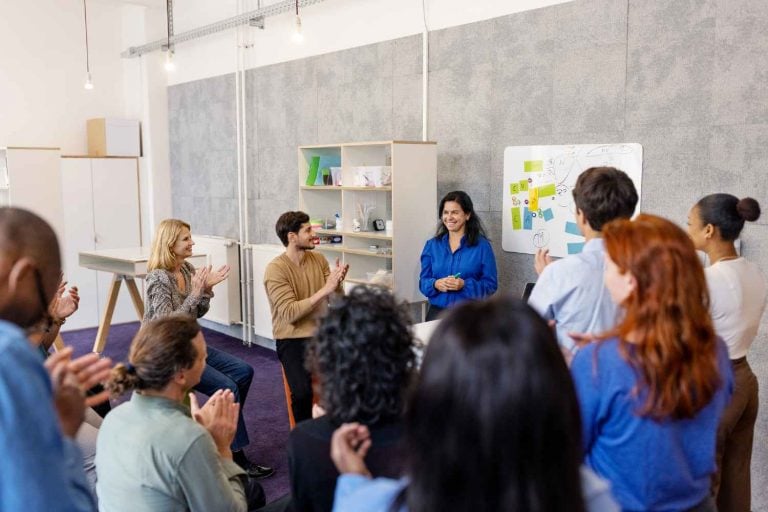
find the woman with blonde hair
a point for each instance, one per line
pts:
(652, 390)
(175, 286)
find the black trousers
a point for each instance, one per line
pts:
(433, 313)
(290, 352)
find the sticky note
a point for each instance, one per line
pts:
(527, 219)
(547, 190)
(533, 165)
(548, 215)
(533, 198)
(514, 188)
(523, 185)
(572, 228)
(575, 247)
(516, 222)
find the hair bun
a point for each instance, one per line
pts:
(749, 209)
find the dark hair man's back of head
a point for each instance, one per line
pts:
(23, 234)
(289, 222)
(604, 194)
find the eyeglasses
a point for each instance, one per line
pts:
(46, 320)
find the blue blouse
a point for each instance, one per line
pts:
(476, 264)
(652, 465)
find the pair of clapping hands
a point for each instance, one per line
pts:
(337, 275)
(219, 417)
(205, 278)
(452, 283)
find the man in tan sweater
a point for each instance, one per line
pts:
(298, 283)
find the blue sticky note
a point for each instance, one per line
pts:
(572, 228)
(527, 219)
(575, 247)
(548, 215)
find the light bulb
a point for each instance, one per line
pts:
(88, 82)
(169, 64)
(297, 36)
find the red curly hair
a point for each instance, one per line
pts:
(673, 346)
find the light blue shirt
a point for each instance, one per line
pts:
(356, 493)
(40, 469)
(570, 291)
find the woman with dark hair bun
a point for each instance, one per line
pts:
(737, 290)
(653, 389)
(363, 358)
(458, 263)
(492, 425)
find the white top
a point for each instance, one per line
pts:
(737, 292)
(570, 291)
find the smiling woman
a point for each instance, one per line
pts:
(458, 263)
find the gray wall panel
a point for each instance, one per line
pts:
(686, 79)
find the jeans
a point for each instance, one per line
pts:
(225, 371)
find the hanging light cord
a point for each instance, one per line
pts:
(87, 59)
(168, 24)
(297, 7)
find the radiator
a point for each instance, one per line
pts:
(225, 305)
(262, 254)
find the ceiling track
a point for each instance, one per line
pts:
(253, 18)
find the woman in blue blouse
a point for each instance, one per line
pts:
(458, 263)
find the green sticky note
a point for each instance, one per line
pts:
(547, 190)
(514, 188)
(533, 165)
(523, 185)
(517, 222)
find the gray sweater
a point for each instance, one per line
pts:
(164, 297)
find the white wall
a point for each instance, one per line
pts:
(328, 26)
(42, 71)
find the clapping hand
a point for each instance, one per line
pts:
(200, 280)
(216, 276)
(349, 445)
(541, 260)
(219, 417)
(70, 379)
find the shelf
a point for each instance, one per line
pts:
(377, 235)
(359, 189)
(364, 252)
(330, 247)
(364, 281)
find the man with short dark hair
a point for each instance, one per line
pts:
(40, 469)
(570, 291)
(298, 284)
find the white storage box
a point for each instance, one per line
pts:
(113, 137)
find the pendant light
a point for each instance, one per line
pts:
(297, 36)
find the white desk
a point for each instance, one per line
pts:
(125, 265)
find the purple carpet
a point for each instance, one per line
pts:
(265, 410)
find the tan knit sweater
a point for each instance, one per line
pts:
(289, 287)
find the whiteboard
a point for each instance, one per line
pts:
(537, 208)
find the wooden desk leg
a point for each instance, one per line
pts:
(106, 319)
(138, 304)
(58, 343)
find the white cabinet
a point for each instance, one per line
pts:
(29, 178)
(409, 202)
(101, 211)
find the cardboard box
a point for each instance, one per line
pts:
(113, 137)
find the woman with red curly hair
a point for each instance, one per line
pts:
(652, 390)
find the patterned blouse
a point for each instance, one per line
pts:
(164, 297)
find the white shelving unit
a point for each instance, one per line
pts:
(410, 203)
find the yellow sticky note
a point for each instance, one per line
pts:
(547, 190)
(514, 188)
(517, 222)
(533, 165)
(533, 199)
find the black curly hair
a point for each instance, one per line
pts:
(363, 356)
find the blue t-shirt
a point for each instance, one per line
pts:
(476, 264)
(40, 470)
(651, 465)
